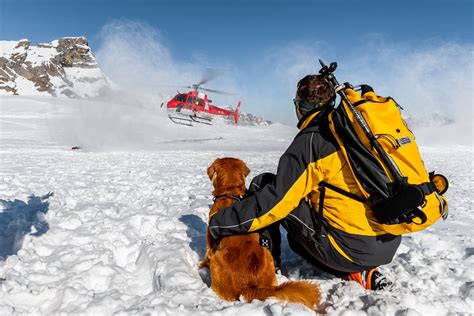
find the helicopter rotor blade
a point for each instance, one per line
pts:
(209, 74)
(217, 91)
(170, 86)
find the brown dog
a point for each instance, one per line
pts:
(239, 265)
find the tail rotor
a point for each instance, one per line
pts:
(236, 113)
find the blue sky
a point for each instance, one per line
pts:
(236, 29)
(257, 40)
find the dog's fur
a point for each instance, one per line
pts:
(239, 265)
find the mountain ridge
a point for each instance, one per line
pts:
(63, 67)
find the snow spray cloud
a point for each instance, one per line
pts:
(432, 81)
(135, 56)
(268, 84)
(144, 74)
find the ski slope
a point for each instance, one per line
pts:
(119, 226)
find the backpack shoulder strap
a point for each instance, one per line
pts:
(343, 192)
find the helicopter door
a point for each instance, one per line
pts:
(189, 103)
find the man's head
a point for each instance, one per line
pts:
(313, 92)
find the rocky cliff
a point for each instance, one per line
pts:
(64, 67)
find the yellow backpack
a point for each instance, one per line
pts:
(390, 200)
(384, 159)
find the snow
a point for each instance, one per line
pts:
(27, 87)
(7, 48)
(124, 225)
(88, 82)
(38, 55)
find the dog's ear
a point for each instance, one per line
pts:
(245, 170)
(212, 169)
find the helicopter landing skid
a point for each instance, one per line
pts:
(188, 120)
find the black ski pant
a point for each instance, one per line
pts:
(306, 236)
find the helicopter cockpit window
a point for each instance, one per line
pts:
(181, 97)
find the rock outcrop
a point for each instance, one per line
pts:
(247, 119)
(63, 67)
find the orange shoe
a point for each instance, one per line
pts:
(370, 279)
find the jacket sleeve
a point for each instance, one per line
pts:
(297, 173)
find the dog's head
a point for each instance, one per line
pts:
(228, 172)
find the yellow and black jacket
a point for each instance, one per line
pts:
(313, 158)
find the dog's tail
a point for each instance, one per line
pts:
(302, 292)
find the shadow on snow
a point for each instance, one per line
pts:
(17, 220)
(196, 231)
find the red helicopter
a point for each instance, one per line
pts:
(195, 107)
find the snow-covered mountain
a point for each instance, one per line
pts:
(64, 67)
